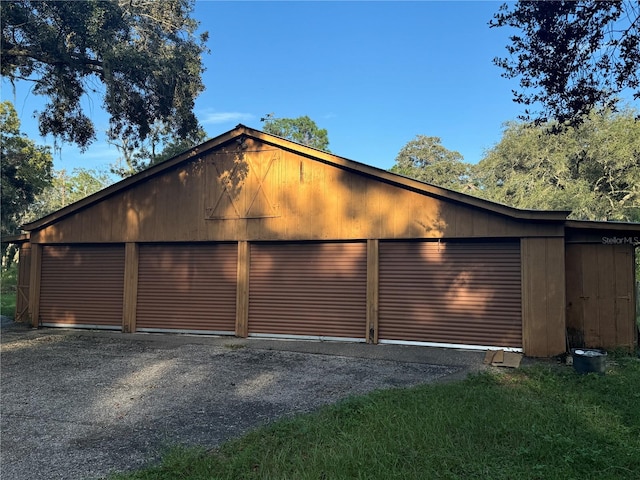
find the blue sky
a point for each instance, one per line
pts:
(374, 74)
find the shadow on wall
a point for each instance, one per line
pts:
(72, 293)
(250, 191)
(456, 292)
(187, 286)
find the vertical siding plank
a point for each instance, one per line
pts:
(480, 221)
(463, 222)
(24, 271)
(575, 320)
(590, 295)
(625, 302)
(524, 294)
(556, 296)
(606, 294)
(533, 261)
(543, 294)
(130, 296)
(34, 284)
(242, 294)
(373, 288)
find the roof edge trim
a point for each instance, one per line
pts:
(400, 180)
(16, 239)
(132, 180)
(328, 158)
(600, 225)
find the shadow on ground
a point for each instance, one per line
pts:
(80, 404)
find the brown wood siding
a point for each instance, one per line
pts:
(264, 193)
(82, 285)
(543, 296)
(451, 293)
(242, 293)
(309, 289)
(600, 295)
(34, 283)
(22, 291)
(373, 284)
(130, 287)
(189, 287)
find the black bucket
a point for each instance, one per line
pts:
(589, 360)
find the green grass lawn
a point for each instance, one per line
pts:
(541, 422)
(8, 304)
(8, 281)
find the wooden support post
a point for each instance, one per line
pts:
(130, 295)
(373, 268)
(242, 289)
(34, 284)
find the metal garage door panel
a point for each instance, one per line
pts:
(82, 285)
(308, 289)
(187, 287)
(451, 293)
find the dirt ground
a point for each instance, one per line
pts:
(80, 404)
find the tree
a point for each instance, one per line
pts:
(301, 130)
(145, 54)
(425, 159)
(592, 169)
(66, 189)
(572, 56)
(26, 169)
(161, 145)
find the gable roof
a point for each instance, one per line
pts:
(241, 131)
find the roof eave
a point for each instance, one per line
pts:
(16, 239)
(132, 180)
(400, 180)
(596, 225)
(329, 158)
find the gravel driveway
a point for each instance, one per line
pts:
(80, 404)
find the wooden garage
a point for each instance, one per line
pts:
(249, 234)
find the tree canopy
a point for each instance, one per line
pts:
(161, 144)
(66, 189)
(425, 159)
(26, 169)
(571, 56)
(143, 57)
(592, 169)
(301, 130)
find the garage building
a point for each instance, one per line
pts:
(249, 234)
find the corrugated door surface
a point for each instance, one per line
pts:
(189, 287)
(309, 289)
(451, 293)
(82, 285)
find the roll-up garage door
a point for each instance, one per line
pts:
(187, 287)
(308, 289)
(451, 293)
(82, 286)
